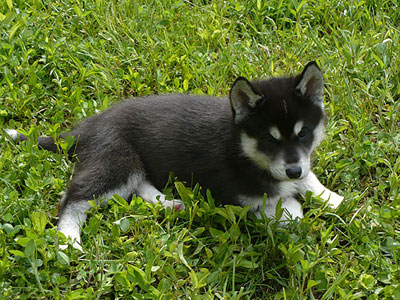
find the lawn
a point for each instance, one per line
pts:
(64, 60)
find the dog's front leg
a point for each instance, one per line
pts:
(291, 209)
(311, 183)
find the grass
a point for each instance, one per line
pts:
(63, 60)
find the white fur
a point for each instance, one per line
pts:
(313, 73)
(150, 194)
(288, 188)
(318, 134)
(311, 183)
(274, 131)
(12, 134)
(287, 192)
(292, 209)
(71, 220)
(250, 149)
(298, 127)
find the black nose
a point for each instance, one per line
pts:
(294, 172)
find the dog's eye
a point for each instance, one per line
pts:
(303, 134)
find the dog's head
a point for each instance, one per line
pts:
(281, 121)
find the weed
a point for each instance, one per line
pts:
(61, 61)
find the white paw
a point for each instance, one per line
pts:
(334, 200)
(12, 133)
(75, 244)
(292, 210)
(174, 204)
(71, 233)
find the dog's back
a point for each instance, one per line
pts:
(193, 137)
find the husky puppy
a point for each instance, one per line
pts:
(258, 141)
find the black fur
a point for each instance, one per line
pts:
(192, 136)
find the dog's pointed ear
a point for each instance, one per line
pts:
(311, 83)
(243, 98)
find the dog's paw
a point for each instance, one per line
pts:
(72, 234)
(174, 204)
(12, 133)
(292, 210)
(74, 245)
(334, 200)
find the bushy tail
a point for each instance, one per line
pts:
(44, 142)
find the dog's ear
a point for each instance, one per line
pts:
(311, 83)
(243, 98)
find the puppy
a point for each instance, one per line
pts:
(258, 141)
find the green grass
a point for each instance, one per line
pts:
(61, 61)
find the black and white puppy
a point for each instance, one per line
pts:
(258, 141)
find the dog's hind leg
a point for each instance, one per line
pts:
(71, 218)
(98, 177)
(76, 203)
(150, 194)
(73, 213)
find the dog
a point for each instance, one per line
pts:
(256, 142)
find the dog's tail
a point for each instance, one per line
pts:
(44, 142)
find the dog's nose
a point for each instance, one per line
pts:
(294, 172)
